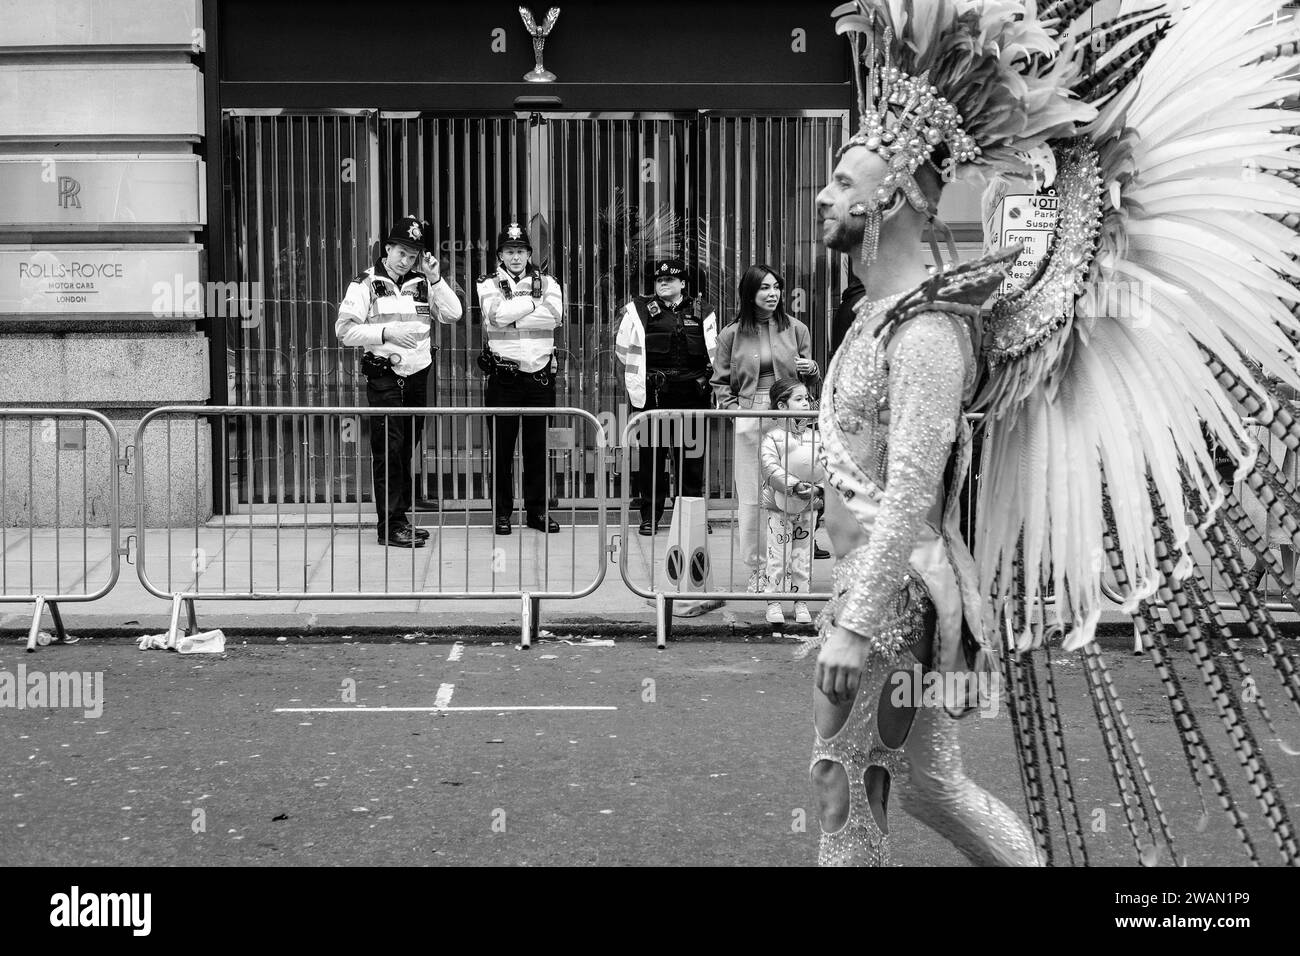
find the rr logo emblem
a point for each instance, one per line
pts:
(69, 188)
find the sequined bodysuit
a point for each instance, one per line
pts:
(891, 418)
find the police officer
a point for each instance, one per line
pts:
(666, 343)
(388, 310)
(522, 307)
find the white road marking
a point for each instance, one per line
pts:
(430, 710)
(444, 696)
(441, 705)
(457, 649)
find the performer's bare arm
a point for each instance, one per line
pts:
(927, 374)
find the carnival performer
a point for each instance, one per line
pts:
(1095, 406)
(891, 424)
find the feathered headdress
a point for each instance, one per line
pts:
(963, 85)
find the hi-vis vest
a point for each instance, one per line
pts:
(629, 346)
(517, 325)
(375, 303)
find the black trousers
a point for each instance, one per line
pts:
(684, 441)
(522, 390)
(392, 444)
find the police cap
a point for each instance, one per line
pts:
(409, 231)
(670, 269)
(514, 235)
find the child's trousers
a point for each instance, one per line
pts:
(789, 551)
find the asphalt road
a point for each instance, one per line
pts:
(703, 760)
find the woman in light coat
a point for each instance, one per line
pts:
(762, 345)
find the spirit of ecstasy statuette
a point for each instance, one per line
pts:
(539, 73)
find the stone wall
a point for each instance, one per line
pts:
(101, 207)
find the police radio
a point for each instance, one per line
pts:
(537, 285)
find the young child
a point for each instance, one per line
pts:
(791, 495)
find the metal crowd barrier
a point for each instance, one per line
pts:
(1275, 539)
(682, 569)
(683, 566)
(56, 474)
(299, 543)
(296, 537)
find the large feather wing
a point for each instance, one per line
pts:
(1191, 259)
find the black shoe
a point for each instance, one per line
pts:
(647, 530)
(403, 537)
(541, 523)
(820, 552)
(503, 524)
(426, 504)
(420, 533)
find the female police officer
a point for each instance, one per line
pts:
(666, 343)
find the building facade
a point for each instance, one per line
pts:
(188, 187)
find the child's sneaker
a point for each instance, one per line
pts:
(801, 614)
(774, 613)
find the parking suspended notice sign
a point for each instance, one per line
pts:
(1029, 219)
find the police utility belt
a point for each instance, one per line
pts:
(490, 363)
(373, 366)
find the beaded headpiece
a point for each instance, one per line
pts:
(975, 81)
(903, 119)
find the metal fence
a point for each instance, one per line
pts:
(60, 511)
(701, 564)
(330, 376)
(57, 474)
(308, 550)
(1275, 538)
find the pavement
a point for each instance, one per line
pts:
(424, 753)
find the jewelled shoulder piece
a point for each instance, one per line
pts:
(1030, 333)
(1025, 320)
(960, 290)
